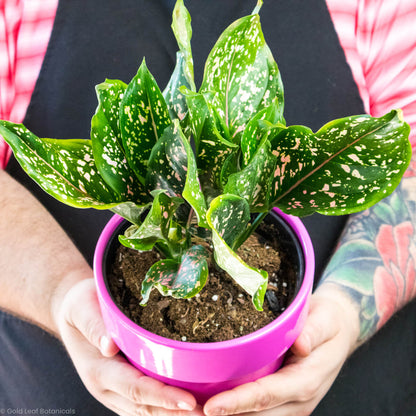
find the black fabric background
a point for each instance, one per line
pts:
(95, 39)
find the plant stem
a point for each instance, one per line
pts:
(164, 250)
(190, 216)
(249, 230)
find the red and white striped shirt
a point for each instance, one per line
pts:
(25, 29)
(378, 37)
(379, 40)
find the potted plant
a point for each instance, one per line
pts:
(195, 173)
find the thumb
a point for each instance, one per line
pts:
(108, 347)
(319, 328)
(87, 319)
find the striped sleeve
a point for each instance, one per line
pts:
(379, 40)
(25, 28)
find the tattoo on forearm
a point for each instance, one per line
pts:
(375, 261)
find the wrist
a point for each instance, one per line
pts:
(66, 284)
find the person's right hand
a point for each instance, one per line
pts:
(107, 375)
(328, 338)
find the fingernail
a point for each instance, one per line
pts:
(104, 344)
(185, 406)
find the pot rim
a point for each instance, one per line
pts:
(305, 289)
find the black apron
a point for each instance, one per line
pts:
(97, 39)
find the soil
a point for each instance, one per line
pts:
(221, 311)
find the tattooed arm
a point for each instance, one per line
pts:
(375, 262)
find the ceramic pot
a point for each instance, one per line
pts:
(206, 369)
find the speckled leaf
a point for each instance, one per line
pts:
(181, 26)
(228, 217)
(241, 70)
(144, 116)
(259, 126)
(253, 182)
(347, 166)
(130, 211)
(156, 225)
(203, 119)
(109, 94)
(109, 155)
(212, 148)
(230, 166)
(182, 279)
(63, 168)
(172, 167)
(175, 100)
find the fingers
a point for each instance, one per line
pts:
(297, 388)
(266, 393)
(319, 328)
(109, 377)
(289, 409)
(124, 407)
(298, 385)
(108, 347)
(131, 384)
(87, 318)
(118, 385)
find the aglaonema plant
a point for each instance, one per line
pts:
(195, 169)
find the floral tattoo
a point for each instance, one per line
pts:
(375, 261)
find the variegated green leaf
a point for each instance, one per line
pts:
(230, 166)
(155, 227)
(109, 94)
(259, 126)
(172, 167)
(202, 119)
(175, 100)
(253, 182)
(63, 168)
(211, 148)
(181, 26)
(130, 211)
(241, 71)
(347, 166)
(228, 217)
(144, 116)
(183, 279)
(109, 155)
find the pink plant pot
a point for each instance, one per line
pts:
(206, 369)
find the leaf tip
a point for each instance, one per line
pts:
(258, 7)
(143, 65)
(399, 113)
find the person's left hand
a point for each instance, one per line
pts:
(107, 375)
(329, 336)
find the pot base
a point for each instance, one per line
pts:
(203, 391)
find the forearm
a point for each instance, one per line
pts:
(38, 261)
(375, 262)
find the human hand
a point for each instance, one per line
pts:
(108, 376)
(329, 336)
